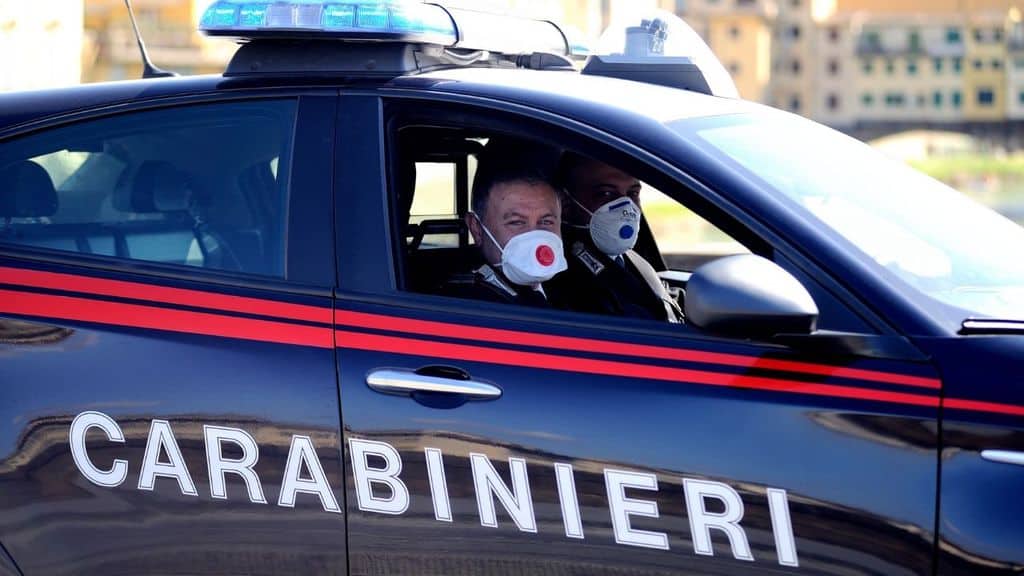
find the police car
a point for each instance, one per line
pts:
(220, 351)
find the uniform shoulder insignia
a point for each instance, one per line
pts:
(579, 250)
(488, 277)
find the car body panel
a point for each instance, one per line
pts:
(981, 524)
(564, 401)
(138, 351)
(603, 396)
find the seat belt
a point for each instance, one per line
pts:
(672, 310)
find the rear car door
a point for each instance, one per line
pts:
(545, 442)
(168, 400)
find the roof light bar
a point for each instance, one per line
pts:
(661, 49)
(408, 21)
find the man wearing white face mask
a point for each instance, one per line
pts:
(516, 223)
(602, 222)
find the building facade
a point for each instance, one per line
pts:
(168, 28)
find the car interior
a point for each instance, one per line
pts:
(205, 192)
(437, 241)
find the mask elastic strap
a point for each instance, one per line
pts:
(488, 232)
(577, 202)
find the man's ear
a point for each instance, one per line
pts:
(474, 229)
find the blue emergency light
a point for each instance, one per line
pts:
(407, 21)
(388, 38)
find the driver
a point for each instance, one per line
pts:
(516, 224)
(602, 221)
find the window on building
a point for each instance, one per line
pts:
(953, 36)
(914, 41)
(979, 35)
(873, 40)
(795, 66)
(937, 99)
(794, 32)
(986, 97)
(833, 67)
(833, 102)
(833, 34)
(1020, 97)
(868, 67)
(912, 67)
(734, 68)
(890, 67)
(895, 99)
(794, 103)
(997, 64)
(957, 99)
(997, 35)
(958, 64)
(795, 3)
(921, 100)
(937, 64)
(734, 32)
(867, 99)
(978, 64)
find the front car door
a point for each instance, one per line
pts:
(169, 400)
(590, 444)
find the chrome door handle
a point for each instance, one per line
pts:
(402, 382)
(1003, 456)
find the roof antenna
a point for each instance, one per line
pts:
(148, 70)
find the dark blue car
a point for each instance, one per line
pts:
(222, 350)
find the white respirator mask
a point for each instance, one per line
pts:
(531, 257)
(614, 226)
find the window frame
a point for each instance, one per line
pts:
(827, 291)
(311, 273)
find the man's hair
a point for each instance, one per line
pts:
(567, 166)
(493, 171)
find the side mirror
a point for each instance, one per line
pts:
(748, 296)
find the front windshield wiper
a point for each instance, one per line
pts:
(974, 327)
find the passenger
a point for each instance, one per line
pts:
(516, 225)
(602, 221)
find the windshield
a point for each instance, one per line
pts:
(932, 237)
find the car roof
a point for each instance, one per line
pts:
(566, 92)
(569, 88)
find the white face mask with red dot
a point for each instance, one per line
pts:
(530, 258)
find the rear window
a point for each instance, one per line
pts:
(199, 186)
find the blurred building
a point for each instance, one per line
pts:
(168, 28)
(931, 62)
(842, 62)
(741, 34)
(39, 42)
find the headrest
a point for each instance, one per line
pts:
(26, 191)
(160, 187)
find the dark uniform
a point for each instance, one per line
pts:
(486, 283)
(595, 283)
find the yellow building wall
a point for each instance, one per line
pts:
(743, 45)
(989, 76)
(168, 29)
(900, 6)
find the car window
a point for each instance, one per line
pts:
(924, 233)
(684, 239)
(200, 186)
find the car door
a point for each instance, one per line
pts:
(494, 439)
(169, 401)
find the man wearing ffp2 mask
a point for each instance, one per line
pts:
(602, 223)
(516, 224)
